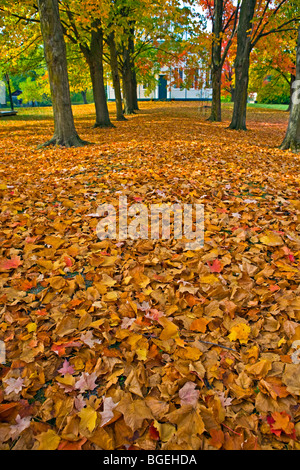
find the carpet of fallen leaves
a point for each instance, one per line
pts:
(141, 344)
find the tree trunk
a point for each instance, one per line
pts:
(217, 64)
(132, 66)
(55, 54)
(9, 92)
(232, 94)
(115, 76)
(129, 76)
(293, 78)
(83, 94)
(94, 57)
(127, 83)
(242, 63)
(134, 89)
(292, 137)
(215, 115)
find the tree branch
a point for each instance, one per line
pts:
(281, 28)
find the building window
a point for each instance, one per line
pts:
(208, 81)
(178, 77)
(196, 81)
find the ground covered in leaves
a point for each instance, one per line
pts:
(134, 344)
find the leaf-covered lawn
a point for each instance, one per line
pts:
(131, 345)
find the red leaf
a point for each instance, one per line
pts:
(8, 411)
(216, 266)
(13, 263)
(154, 434)
(67, 445)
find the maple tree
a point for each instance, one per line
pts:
(65, 133)
(224, 17)
(83, 26)
(127, 61)
(27, 55)
(242, 63)
(146, 35)
(79, 76)
(116, 76)
(86, 34)
(272, 71)
(227, 78)
(257, 20)
(292, 138)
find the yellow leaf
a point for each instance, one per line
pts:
(49, 440)
(67, 203)
(141, 280)
(180, 342)
(259, 369)
(271, 239)
(240, 332)
(66, 326)
(102, 439)
(114, 319)
(57, 282)
(107, 280)
(45, 263)
(147, 291)
(133, 339)
(188, 420)
(142, 354)
(208, 279)
(108, 260)
(170, 329)
(165, 430)
(78, 363)
(31, 327)
(111, 296)
(67, 379)
(189, 353)
(55, 242)
(88, 417)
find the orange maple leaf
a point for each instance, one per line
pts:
(281, 422)
(12, 263)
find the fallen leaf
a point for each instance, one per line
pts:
(188, 394)
(48, 440)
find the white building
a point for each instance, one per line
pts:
(2, 93)
(168, 89)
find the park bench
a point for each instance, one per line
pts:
(8, 113)
(204, 105)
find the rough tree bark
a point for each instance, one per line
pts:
(94, 58)
(216, 58)
(292, 80)
(83, 94)
(219, 50)
(55, 54)
(113, 57)
(242, 63)
(292, 137)
(129, 81)
(132, 66)
(9, 91)
(134, 88)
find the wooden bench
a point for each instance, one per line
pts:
(204, 104)
(8, 113)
